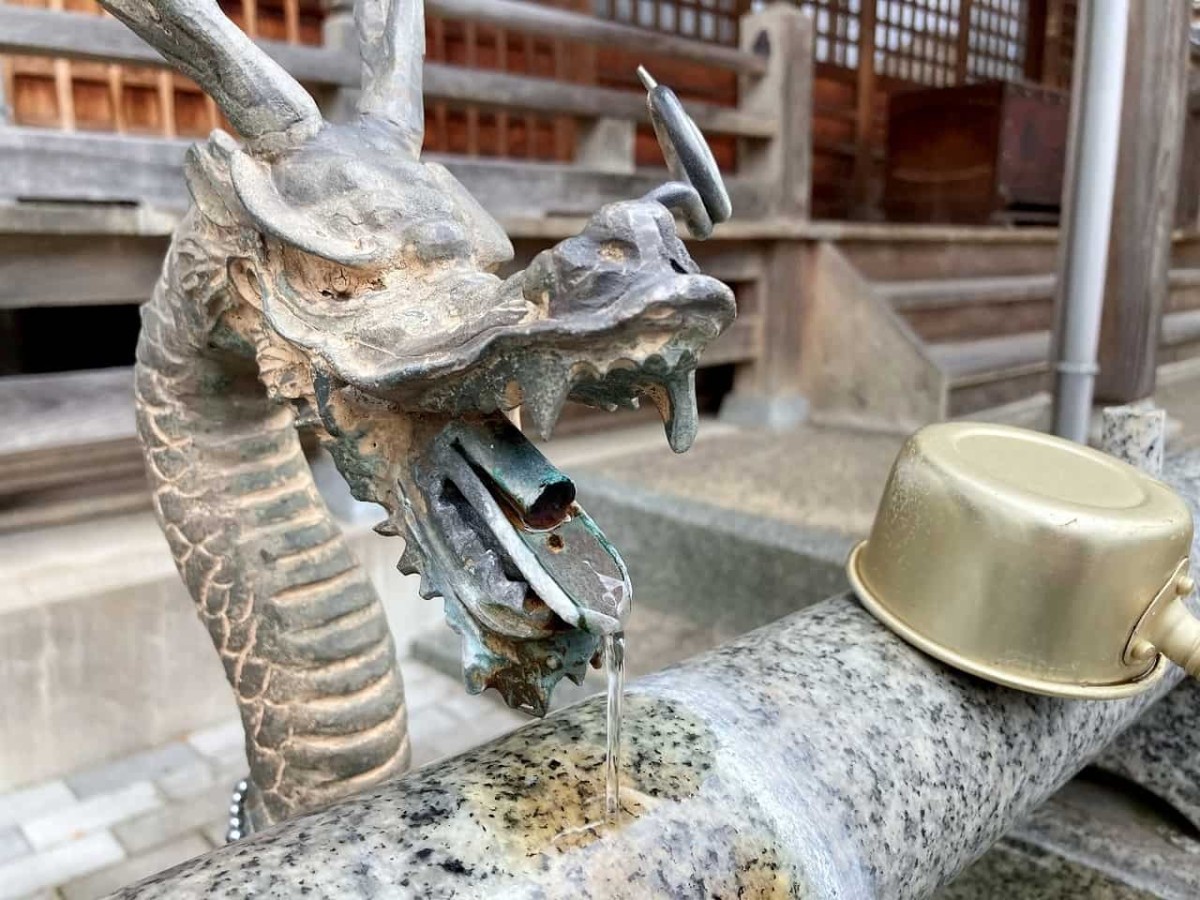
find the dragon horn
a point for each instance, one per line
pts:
(263, 102)
(391, 35)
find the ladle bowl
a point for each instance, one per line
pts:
(1031, 561)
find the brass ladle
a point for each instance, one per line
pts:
(1031, 561)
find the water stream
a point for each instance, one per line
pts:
(614, 666)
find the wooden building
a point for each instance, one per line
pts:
(896, 167)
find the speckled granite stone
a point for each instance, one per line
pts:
(1162, 752)
(1096, 839)
(818, 757)
(1135, 434)
(1015, 871)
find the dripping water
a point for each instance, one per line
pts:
(614, 666)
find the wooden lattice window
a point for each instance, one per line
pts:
(714, 21)
(928, 42)
(96, 96)
(470, 130)
(996, 45)
(836, 26)
(918, 40)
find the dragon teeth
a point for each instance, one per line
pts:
(675, 398)
(543, 397)
(387, 528)
(410, 560)
(683, 420)
(428, 590)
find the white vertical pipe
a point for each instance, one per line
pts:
(1089, 219)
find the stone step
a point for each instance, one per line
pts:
(951, 310)
(944, 293)
(992, 371)
(894, 252)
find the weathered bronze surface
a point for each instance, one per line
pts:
(326, 278)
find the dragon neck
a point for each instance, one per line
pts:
(298, 626)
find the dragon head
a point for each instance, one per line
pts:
(363, 279)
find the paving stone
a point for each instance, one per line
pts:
(222, 743)
(428, 687)
(180, 784)
(90, 815)
(18, 806)
(12, 844)
(214, 832)
(431, 731)
(58, 865)
(145, 766)
(104, 882)
(173, 820)
(438, 732)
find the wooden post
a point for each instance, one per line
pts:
(607, 145)
(337, 33)
(962, 52)
(864, 114)
(1036, 18)
(1053, 34)
(783, 165)
(1139, 259)
(767, 392)
(6, 111)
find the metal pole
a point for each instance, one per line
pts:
(1095, 145)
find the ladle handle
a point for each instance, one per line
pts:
(1170, 628)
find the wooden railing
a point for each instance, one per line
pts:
(41, 32)
(84, 217)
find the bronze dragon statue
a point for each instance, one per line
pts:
(326, 278)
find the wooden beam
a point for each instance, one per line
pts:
(39, 32)
(1036, 15)
(1139, 254)
(48, 165)
(962, 57)
(864, 123)
(78, 270)
(549, 22)
(541, 95)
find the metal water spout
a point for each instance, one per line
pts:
(530, 582)
(561, 587)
